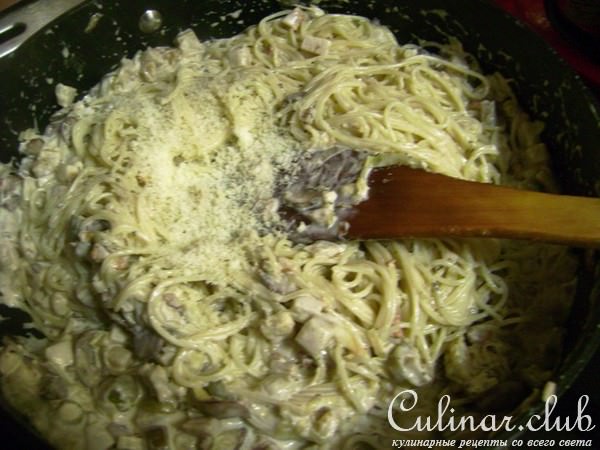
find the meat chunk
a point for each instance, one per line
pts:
(316, 45)
(315, 336)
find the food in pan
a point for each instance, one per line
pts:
(142, 233)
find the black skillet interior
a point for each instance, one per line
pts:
(547, 88)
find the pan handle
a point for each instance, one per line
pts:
(20, 23)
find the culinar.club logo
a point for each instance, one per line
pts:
(445, 420)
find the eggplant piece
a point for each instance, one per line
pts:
(157, 438)
(317, 198)
(146, 344)
(222, 409)
(87, 358)
(213, 436)
(121, 393)
(229, 440)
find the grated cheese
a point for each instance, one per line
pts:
(196, 200)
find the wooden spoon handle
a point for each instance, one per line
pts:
(405, 202)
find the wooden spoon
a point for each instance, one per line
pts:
(405, 202)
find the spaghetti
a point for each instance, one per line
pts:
(142, 235)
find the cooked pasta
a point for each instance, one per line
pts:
(142, 234)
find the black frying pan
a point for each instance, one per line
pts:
(65, 51)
